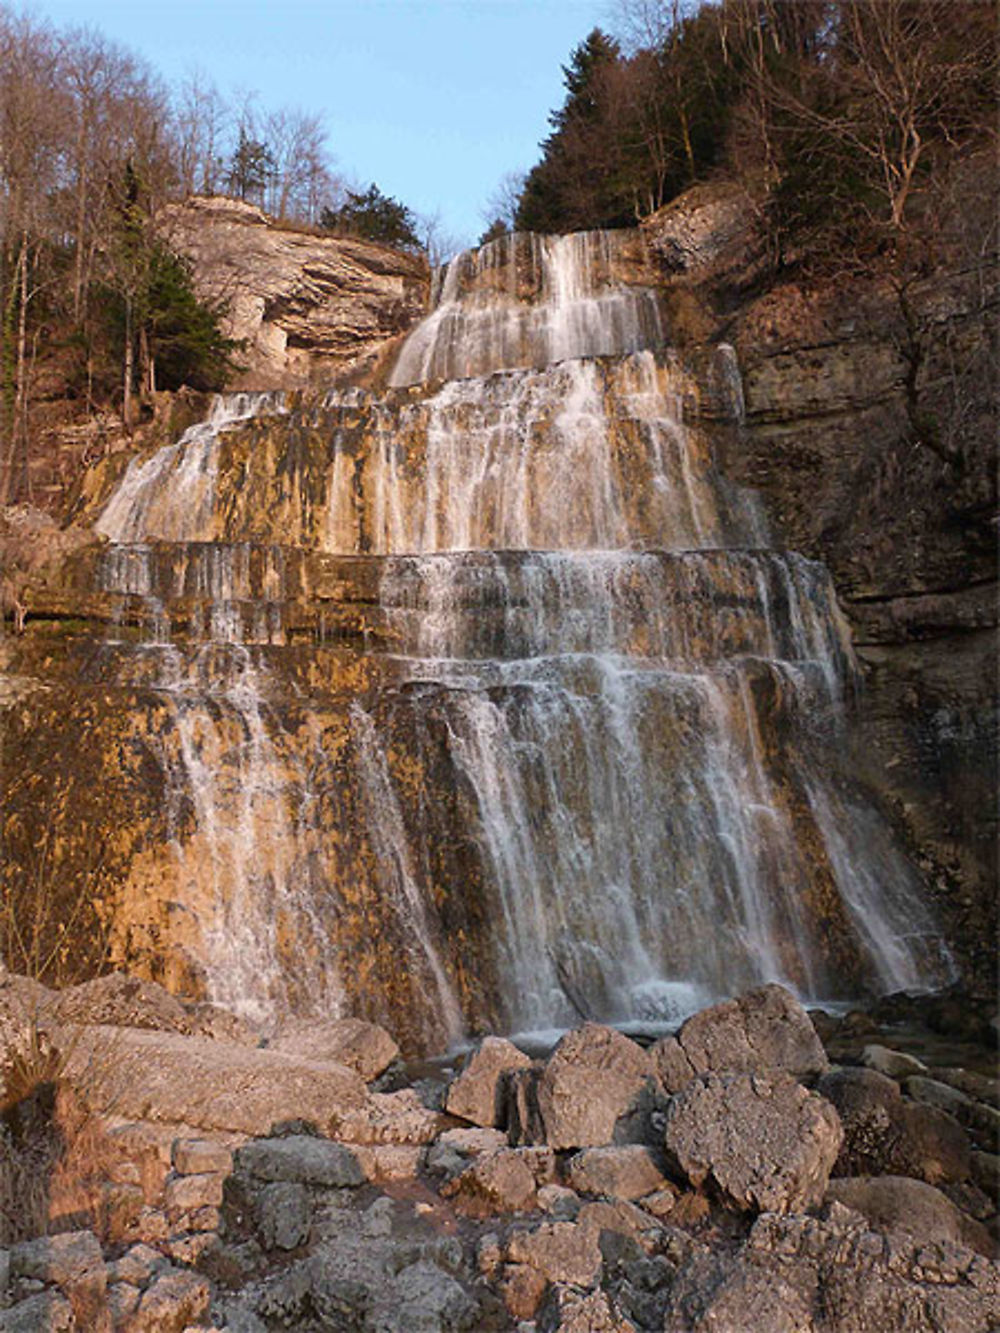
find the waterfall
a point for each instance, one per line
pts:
(481, 322)
(576, 748)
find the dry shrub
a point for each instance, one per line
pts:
(55, 1156)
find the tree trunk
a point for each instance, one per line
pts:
(81, 224)
(8, 402)
(129, 366)
(20, 433)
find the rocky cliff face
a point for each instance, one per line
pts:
(310, 307)
(870, 429)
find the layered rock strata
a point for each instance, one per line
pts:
(307, 306)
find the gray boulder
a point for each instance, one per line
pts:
(284, 1215)
(74, 1262)
(422, 1298)
(46, 1312)
(594, 1077)
(765, 1143)
(302, 1159)
(764, 1030)
(476, 1094)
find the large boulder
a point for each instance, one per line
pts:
(364, 1047)
(897, 1203)
(208, 1084)
(303, 1159)
(594, 1077)
(764, 1142)
(476, 1094)
(765, 1029)
(884, 1134)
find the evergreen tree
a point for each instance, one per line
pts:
(575, 185)
(376, 217)
(185, 342)
(252, 166)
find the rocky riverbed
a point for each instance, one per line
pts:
(165, 1168)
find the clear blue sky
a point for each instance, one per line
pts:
(432, 99)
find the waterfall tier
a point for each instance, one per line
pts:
(487, 703)
(526, 300)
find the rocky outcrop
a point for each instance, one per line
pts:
(305, 1224)
(309, 307)
(870, 430)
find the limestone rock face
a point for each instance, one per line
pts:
(310, 307)
(364, 1047)
(765, 1029)
(207, 1084)
(905, 534)
(765, 1142)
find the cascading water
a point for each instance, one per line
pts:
(586, 650)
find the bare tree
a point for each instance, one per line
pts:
(201, 122)
(503, 200)
(437, 241)
(297, 143)
(878, 82)
(32, 127)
